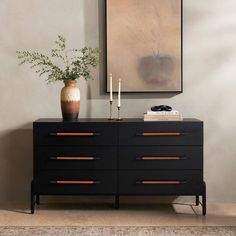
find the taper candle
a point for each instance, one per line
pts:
(119, 90)
(111, 97)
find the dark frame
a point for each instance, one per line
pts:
(148, 92)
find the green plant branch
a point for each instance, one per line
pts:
(82, 61)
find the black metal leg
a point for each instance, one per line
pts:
(117, 202)
(204, 200)
(32, 200)
(37, 199)
(197, 200)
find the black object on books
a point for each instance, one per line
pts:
(161, 108)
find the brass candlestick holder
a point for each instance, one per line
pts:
(119, 118)
(110, 111)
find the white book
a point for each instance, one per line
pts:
(163, 119)
(157, 116)
(173, 112)
(148, 117)
(161, 116)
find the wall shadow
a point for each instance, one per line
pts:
(94, 19)
(16, 153)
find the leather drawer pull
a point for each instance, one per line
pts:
(154, 182)
(78, 182)
(159, 134)
(75, 158)
(86, 134)
(160, 158)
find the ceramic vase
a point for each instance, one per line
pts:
(70, 100)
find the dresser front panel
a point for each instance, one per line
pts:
(75, 134)
(161, 157)
(160, 182)
(161, 133)
(125, 157)
(76, 182)
(71, 157)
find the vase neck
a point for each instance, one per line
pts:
(70, 83)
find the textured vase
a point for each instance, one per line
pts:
(70, 100)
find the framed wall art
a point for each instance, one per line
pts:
(144, 45)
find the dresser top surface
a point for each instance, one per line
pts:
(103, 120)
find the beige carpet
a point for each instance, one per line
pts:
(118, 231)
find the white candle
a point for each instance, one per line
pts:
(111, 98)
(119, 89)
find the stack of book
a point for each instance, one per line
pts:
(162, 116)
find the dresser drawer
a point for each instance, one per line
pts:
(79, 134)
(161, 157)
(161, 133)
(65, 157)
(160, 182)
(76, 182)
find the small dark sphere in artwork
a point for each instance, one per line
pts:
(156, 69)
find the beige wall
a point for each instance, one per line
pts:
(209, 83)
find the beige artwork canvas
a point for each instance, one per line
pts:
(144, 45)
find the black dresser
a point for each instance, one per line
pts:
(128, 157)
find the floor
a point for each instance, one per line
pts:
(100, 212)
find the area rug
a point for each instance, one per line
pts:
(118, 231)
